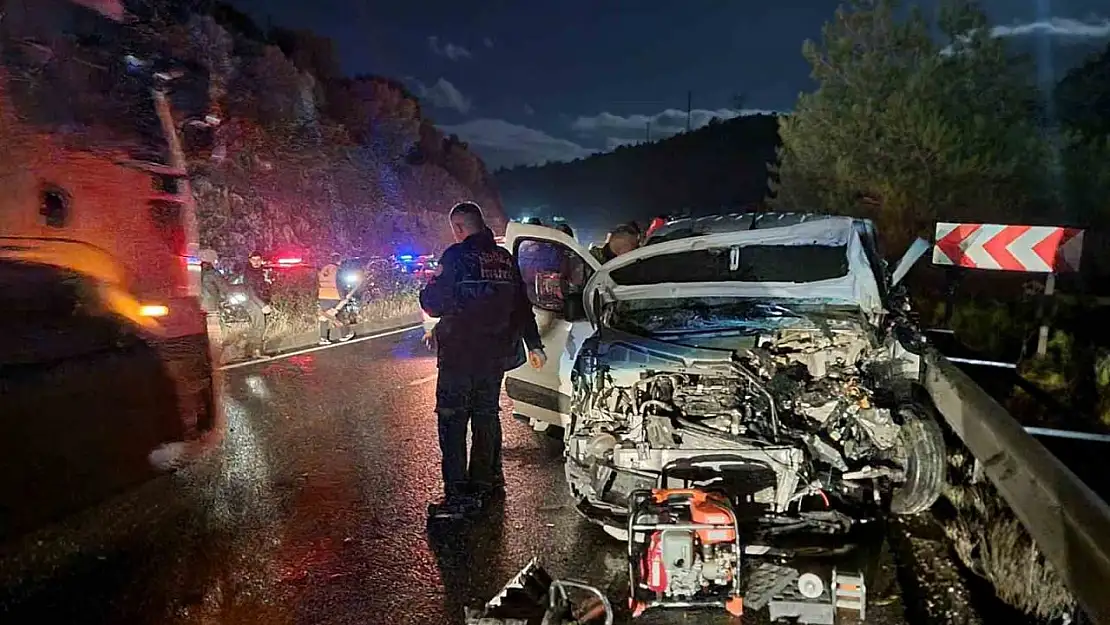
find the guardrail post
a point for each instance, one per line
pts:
(1043, 313)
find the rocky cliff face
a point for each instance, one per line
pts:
(299, 156)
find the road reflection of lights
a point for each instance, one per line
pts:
(243, 486)
(257, 386)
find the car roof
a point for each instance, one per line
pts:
(732, 222)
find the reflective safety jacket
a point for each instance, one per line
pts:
(328, 280)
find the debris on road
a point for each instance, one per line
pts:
(534, 596)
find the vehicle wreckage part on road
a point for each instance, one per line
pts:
(534, 596)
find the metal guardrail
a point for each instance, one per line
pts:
(1068, 521)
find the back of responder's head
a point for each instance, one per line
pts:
(466, 219)
(208, 257)
(623, 239)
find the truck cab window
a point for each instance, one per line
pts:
(54, 208)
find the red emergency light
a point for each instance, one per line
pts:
(289, 261)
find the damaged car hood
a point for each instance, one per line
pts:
(722, 268)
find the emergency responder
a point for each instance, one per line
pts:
(622, 240)
(330, 298)
(257, 304)
(484, 315)
(213, 290)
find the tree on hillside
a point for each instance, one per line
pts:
(907, 129)
(1083, 109)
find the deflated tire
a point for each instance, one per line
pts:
(925, 467)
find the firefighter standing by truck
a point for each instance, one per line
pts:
(213, 290)
(258, 304)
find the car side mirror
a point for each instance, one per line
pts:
(912, 255)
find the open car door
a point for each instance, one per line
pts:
(555, 268)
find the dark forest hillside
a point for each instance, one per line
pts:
(720, 166)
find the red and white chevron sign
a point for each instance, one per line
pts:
(1036, 249)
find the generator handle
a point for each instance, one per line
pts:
(605, 604)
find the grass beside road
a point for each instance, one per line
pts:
(294, 315)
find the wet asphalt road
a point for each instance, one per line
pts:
(314, 511)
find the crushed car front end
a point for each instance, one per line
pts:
(778, 385)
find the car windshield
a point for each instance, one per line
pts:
(743, 315)
(749, 263)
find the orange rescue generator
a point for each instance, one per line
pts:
(683, 551)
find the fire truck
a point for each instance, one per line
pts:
(106, 374)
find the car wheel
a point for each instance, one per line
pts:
(926, 461)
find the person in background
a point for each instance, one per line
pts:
(634, 228)
(257, 305)
(622, 240)
(214, 289)
(330, 298)
(484, 316)
(565, 229)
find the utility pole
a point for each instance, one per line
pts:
(689, 103)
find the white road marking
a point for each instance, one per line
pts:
(319, 347)
(423, 380)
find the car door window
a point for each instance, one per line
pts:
(552, 272)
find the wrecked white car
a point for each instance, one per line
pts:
(764, 355)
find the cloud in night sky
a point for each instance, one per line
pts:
(448, 49)
(1057, 27)
(488, 42)
(528, 110)
(613, 143)
(615, 130)
(442, 95)
(668, 122)
(1063, 29)
(504, 144)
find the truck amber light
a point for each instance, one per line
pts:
(153, 310)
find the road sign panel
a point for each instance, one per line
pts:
(1035, 249)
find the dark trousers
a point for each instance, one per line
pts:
(465, 397)
(256, 332)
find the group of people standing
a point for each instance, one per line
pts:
(257, 292)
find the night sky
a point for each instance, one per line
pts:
(538, 80)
